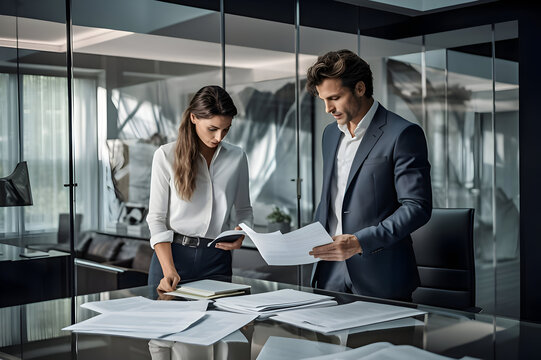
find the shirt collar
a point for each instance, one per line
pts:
(363, 124)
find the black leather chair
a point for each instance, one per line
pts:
(445, 259)
(63, 234)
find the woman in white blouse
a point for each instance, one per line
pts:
(197, 184)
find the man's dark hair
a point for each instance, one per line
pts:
(341, 64)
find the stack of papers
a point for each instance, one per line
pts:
(139, 317)
(142, 304)
(208, 289)
(270, 303)
(146, 325)
(291, 248)
(345, 316)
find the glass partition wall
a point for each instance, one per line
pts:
(34, 128)
(134, 75)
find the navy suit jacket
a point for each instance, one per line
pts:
(388, 196)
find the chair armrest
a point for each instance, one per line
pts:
(96, 265)
(93, 277)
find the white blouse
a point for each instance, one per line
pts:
(219, 189)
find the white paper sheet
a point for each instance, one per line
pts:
(354, 354)
(383, 351)
(291, 248)
(272, 300)
(268, 313)
(147, 324)
(393, 324)
(213, 327)
(280, 348)
(345, 316)
(142, 304)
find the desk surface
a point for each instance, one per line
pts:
(35, 329)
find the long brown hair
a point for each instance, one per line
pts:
(209, 101)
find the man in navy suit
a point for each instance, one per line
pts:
(376, 185)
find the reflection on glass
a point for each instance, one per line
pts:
(474, 157)
(506, 150)
(34, 113)
(260, 76)
(136, 70)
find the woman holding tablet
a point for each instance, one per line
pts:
(197, 183)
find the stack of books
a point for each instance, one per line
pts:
(270, 303)
(209, 289)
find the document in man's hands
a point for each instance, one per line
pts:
(291, 248)
(227, 236)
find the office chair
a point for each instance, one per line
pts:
(445, 260)
(63, 234)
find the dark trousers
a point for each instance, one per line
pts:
(193, 263)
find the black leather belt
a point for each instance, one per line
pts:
(190, 241)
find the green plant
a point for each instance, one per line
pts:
(278, 216)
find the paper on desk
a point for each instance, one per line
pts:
(383, 351)
(291, 248)
(345, 316)
(139, 324)
(214, 326)
(267, 313)
(354, 354)
(272, 300)
(279, 348)
(271, 303)
(142, 304)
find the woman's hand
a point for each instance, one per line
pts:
(169, 282)
(231, 245)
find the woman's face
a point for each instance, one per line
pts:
(213, 130)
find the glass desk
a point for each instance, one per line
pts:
(32, 275)
(32, 331)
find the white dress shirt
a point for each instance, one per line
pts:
(219, 189)
(347, 148)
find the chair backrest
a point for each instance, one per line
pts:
(445, 260)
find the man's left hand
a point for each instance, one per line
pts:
(343, 247)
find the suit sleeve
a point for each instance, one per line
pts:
(413, 189)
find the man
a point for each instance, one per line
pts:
(376, 185)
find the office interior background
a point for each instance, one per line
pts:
(89, 89)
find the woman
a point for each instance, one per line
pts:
(196, 183)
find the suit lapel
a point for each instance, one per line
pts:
(330, 153)
(370, 138)
(329, 160)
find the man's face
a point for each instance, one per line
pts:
(340, 101)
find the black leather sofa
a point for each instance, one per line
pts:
(109, 262)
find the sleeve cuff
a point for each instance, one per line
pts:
(166, 236)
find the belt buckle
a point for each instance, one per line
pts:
(190, 241)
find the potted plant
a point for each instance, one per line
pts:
(279, 220)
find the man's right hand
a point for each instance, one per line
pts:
(169, 282)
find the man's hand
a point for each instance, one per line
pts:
(231, 245)
(343, 247)
(169, 282)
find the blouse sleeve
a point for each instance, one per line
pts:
(243, 206)
(158, 208)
